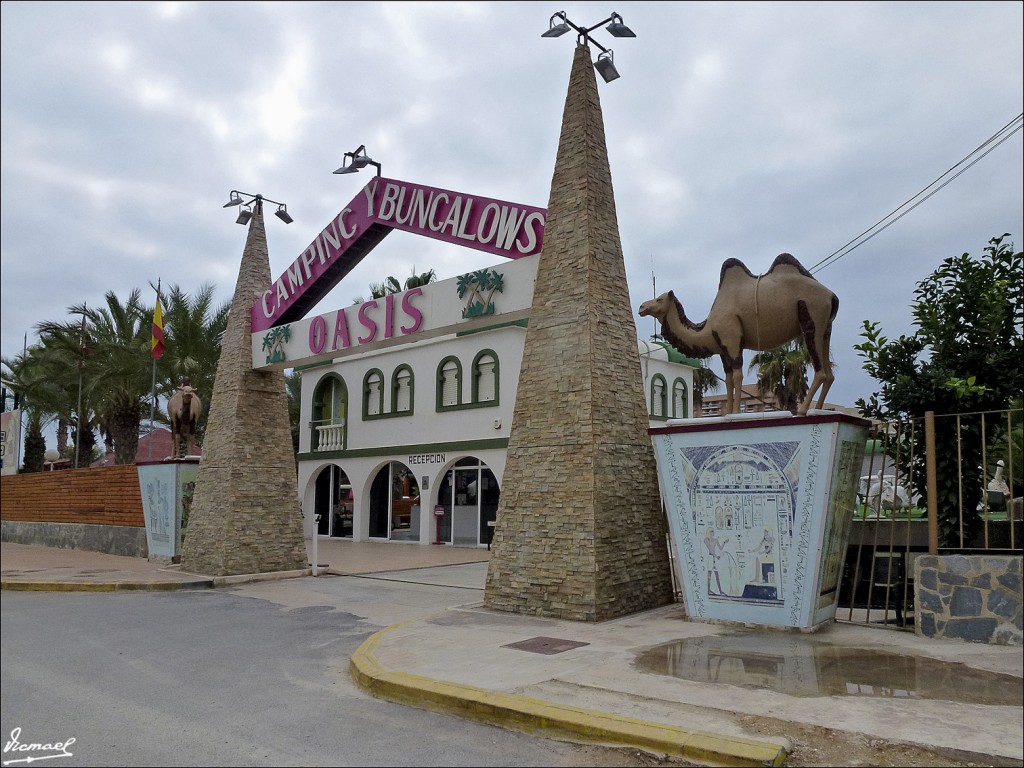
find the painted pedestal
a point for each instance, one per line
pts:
(167, 488)
(759, 512)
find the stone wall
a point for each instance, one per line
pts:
(121, 540)
(976, 598)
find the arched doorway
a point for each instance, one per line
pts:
(332, 502)
(395, 503)
(469, 494)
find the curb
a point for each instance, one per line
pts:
(200, 582)
(102, 586)
(553, 720)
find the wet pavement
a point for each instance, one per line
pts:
(709, 693)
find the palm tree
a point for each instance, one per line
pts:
(418, 281)
(391, 285)
(704, 381)
(117, 374)
(193, 333)
(387, 286)
(46, 376)
(293, 390)
(782, 372)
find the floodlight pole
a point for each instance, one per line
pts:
(81, 365)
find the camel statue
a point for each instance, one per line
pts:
(755, 312)
(184, 408)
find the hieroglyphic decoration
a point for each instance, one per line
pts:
(742, 509)
(760, 514)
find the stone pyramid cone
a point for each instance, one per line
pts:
(246, 516)
(580, 533)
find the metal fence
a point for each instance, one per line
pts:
(941, 484)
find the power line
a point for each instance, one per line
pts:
(977, 154)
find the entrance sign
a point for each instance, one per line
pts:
(505, 229)
(431, 310)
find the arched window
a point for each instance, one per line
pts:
(485, 377)
(401, 389)
(658, 396)
(329, 412)
(373, 393)
(680, 400)
(449, 383)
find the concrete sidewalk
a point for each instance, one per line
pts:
(708, 693)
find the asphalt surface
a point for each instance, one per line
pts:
(707, 693)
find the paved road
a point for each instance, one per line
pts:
(250, 675)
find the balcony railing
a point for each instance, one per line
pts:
(329, 436)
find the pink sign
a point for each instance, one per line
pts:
(495, 226)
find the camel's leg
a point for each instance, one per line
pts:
(818, 349)
(817, 337)
(829, 378)
(826, 364)
(727, 366)
(816, 382)
(733, 389)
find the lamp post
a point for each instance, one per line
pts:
(81, 365)
(356, 160)
(605, 64)
(256, 203)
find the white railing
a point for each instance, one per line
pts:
(330, 437)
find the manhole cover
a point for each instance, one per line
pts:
(546, 645)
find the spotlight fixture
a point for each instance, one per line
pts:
(605, 64)
(557, 30)
(618, 29)
(357, 159)
(251, 204)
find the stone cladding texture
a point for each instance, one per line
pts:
(977, 598)
(246, 516)
(580, 533)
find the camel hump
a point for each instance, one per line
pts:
(733, 267)
(788, 260)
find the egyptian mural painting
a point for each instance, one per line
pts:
(742, 501)
(158, 493)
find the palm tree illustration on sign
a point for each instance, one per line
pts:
(480, 286)
(274, 341)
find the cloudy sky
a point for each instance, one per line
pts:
(736, 130)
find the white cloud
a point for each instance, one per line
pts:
(736, 130)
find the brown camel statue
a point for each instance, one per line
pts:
(184, 408)
(756, 312)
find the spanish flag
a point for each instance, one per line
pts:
(157, 343)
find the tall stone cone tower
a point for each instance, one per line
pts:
(245, 514)
(580, 532)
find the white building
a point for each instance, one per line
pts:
(407, 410)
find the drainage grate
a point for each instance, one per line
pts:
(546, 645)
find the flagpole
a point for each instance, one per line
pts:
(152, 405)
(81, 363)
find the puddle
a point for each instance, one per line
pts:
(800, 666)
